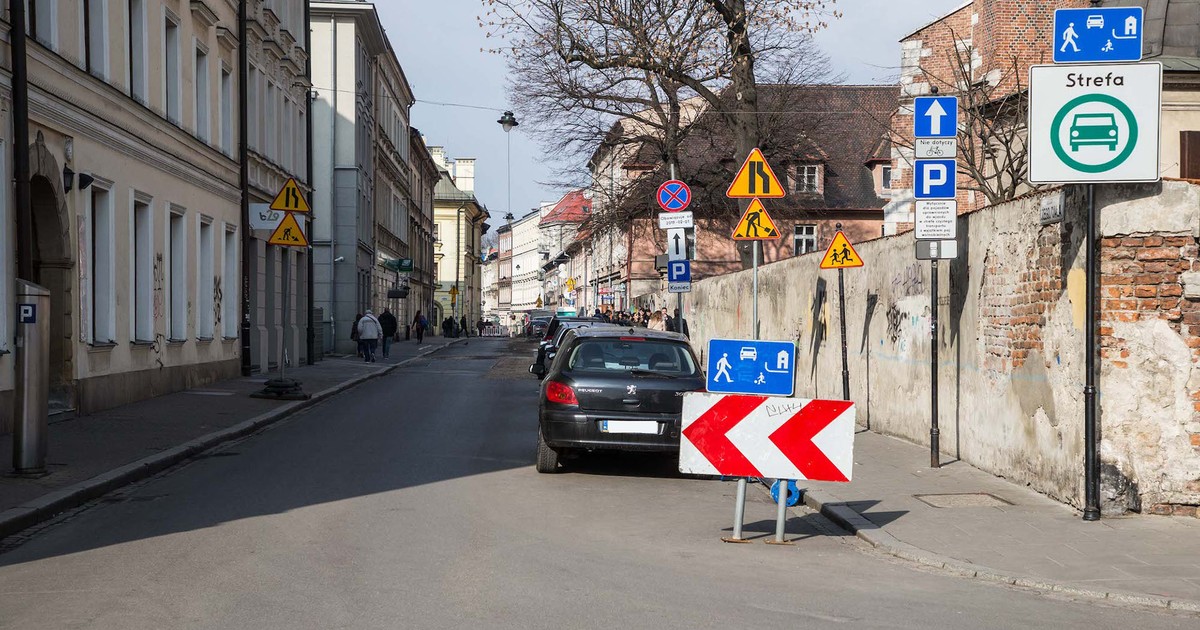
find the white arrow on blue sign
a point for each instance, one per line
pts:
(935, 117)
(935, 179)
(742, 366)
(1098, 35)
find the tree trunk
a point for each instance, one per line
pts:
(745, 92)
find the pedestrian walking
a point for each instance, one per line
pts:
(390, 327)
(681, 325)
(354, 334)
(466, 330)
(670, 325)
(656, 322)
(369, 332)
(419, 324)
(480, 325)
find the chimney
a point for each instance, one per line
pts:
(464, 174)
(439, 156)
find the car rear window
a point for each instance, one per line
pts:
(623, 355)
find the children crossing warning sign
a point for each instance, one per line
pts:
(290, 198)
(755, 179)
(289, 233)
(756, 224)
(840, 254)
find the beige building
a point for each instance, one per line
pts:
(460, 222)
(136, 196)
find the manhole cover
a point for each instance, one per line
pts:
(968, 499)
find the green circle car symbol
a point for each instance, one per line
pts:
(1093, 129)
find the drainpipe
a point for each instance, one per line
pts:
(20, 144)
(244, 179)
(308, 168)
(333, 102)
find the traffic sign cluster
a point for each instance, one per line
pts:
(935, 171)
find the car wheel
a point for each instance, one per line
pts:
(547, 458)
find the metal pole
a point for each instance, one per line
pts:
(20, 143)
(1091, 463)
(311, 339)
(842, 317)
(934, 432)
(739, 507)
(781, 512)
(244, 181)
(31, 397)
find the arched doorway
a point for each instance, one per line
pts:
(52, 266)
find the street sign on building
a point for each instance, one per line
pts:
(841, 254)
(672, 220)
(1096, 123)
(742, 366)
(673, 195)
(935, 179)
(936, 219)
(262, 217)
(1098, 35)
(766, 436)
(755, 180)
(935, 117)
(288, 233)
(756, 224)
(677, 244)
(679, 276)
(290, 198)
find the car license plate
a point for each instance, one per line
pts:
(629, 426)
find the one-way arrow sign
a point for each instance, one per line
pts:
(935, 117)
(767, 436)
(677, 244)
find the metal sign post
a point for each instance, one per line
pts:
(288, 232)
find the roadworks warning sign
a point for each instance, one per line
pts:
(756, 224)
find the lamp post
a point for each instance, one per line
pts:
(507, 121)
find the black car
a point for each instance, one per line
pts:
(536, 328)
(614, 388)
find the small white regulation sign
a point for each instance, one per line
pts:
(937, 219)
(935, 148)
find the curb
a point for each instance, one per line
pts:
(878, 537)
(47, 506)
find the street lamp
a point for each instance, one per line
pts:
(508, 121)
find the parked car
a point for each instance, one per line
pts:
(536, 328)
(556, 323)
(614, 388)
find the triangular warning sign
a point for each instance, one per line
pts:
(288, 233)
(840, 254)
(756, 225)
(290, 198)
(755, 179)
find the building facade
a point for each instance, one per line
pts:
(420, 216)
(527, 261)
(461, 221)
(134, 146)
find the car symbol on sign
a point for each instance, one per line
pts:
(748, 353)
(1088, 129)
(1095, 21)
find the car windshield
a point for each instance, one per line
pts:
(629, 354)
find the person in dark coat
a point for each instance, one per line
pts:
(354, 333)
(388, 322)
(681, 325)
(466, 330)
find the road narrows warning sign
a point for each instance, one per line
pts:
(841, 254)
(755, 179)
(290, 198)
(289, 233)
(756, 225)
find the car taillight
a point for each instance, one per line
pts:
(562, 394)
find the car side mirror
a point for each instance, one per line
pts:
(538, 370)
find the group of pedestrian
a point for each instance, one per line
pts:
(373, 333)
(654, 319)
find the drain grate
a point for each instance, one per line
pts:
(965, 499)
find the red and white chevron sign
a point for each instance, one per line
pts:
(767, 436)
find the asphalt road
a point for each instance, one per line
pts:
(411, 502)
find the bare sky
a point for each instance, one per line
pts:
(439, 44)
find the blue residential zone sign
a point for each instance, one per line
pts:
(935, 179)
(935, 117)
(740, 366)
(1098, 35)
(679, 271)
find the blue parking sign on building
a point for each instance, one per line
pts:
(935, 117)
(1098, 35)
(742, 366)
(935, 179)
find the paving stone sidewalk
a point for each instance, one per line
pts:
(1024, 538)
(93, 454)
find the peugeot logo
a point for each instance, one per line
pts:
(631, 390)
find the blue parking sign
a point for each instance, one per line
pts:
(742, 366)
(935, 117)
(679, 271)
(1098, 35)
(935, 179)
